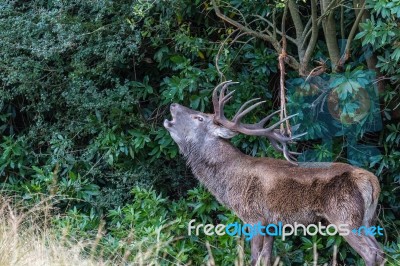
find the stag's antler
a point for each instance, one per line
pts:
(257, 129)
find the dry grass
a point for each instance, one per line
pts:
(25, 239)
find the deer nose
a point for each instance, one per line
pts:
(174, 105)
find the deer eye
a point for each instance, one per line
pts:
(199, 118)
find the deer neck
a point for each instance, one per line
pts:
(214, 164)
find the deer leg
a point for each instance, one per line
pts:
(380, 255)
(256, 249)
(362, 244)
(363, 247)
(267, 249)
(261, 250)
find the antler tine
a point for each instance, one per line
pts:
(215, 98)
(286, 153)
(267, 118)
(227, 97)
(243, 106)
(218, 102)
(280, 149)
(262, 122)
(288, 156)
(280, 122)
(298, 136)
(256, 130)
(239, 116)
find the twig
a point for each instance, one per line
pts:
(219, 53)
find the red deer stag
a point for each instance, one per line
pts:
(268, 190)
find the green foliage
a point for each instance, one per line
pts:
(382, 33)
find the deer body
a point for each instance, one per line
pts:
(269, 190)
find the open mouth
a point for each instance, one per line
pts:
(169, 123)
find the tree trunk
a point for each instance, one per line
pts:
(329, 27)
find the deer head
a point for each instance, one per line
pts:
(188, 126)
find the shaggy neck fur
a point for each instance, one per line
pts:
(213, 163)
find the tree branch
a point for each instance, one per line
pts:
(294, 13)
(329, 27)
(350, 38)
(276, 30)
(327, 8)
(241, 27)
(325, 13)
(313, 40)
(299, 27)
(268, 38)
(306, 29)
(342, 22)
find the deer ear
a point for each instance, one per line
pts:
(224, 132)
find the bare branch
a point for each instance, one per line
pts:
(350, 38)
(329, 27)
(313, 40)
(324, 14)
(298, 23)
(275, 29)
(235, 40)
(219, 53)
(327, 8)
(307, 28)
(283, 30)
(268, 38)
(342, 21)
(241, 27)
